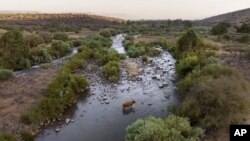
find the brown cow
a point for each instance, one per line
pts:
(128, 104)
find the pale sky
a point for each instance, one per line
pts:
(130, 9)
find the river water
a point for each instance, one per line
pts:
(100, 116)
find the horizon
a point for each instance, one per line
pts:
(129, 9)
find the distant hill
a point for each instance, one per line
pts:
(235, 17)
(67, 19)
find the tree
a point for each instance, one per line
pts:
(245, 28)
(188, 42)
(15, 51)
(173, 128)
(220, 29)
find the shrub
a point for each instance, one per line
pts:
(76, 43)
(96, 41)
(245, 28)
(212, 95)
(186, 65)
(15, 50)
(60, 94)
(60, 36)
(47, 37)
(173, 128)
(7, 137)
(6, 74)
(144, 58)
(105, 34)
(27, 136)
(112, 70)
(59, 49)
(244, 39)
(34, 40)
(220, 29)
(40, 55)
(188, 42)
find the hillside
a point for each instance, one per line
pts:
(67, 19)
(235, 17)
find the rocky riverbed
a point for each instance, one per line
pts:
(101, 116)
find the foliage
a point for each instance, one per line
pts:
(60, 94)
(220, 29)
(47, 37)
(144, 58)
(186, 65)
(39, 55)
(244, 39)
(7, 137)
(6, 74)
(173, 128)
(59, 49)
(112, 70)
(27, 136)
(212, 95)
(34, 40)
(60, 36)
(106, 34)
(96, 41)
(245, 28)
(15, 50)
(188, 42)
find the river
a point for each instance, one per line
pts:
(100, 116)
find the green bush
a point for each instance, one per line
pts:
(60, 36)
(39, 55)
(220, 29)
(96, 41)
(188, 42)
(6, 74)
(213, 97)
(173, 128)
(16, 52)
(245, 28)
(47, 37)
(60, 94)
(244, 39)
(27, 136)
(112, 71)
(34, 40)
(105, 34)
(59, 49)
(186, 65)
(7, 137)
(144, 58)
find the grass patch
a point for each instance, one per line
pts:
(7, 137)
(112, 71)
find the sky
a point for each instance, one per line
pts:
(130, 9)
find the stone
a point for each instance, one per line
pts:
(107, 102)
(67, 120)
(161, 85)
(57, 129)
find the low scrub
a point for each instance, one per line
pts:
(27, 136)
(186, 65)
(213, 97)
(112, 71)
(173, 128)
(6, 74)
(40, 55)
(7, 137)
(60, 36)
(59, 95)
(34, 40)
(59, 49)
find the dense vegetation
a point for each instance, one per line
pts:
(173, 128)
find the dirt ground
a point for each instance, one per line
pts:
(17, 96)
(132, 67)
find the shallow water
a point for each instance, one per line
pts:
(101, 117)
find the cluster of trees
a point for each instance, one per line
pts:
(20, 52)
